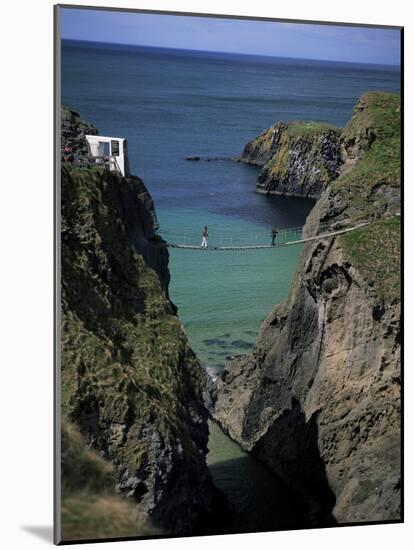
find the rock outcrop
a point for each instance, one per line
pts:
(130, 384)
(73, 130)
(318, 400)
(297, 158)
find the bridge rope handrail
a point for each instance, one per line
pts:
(236, 234)
(276, 245)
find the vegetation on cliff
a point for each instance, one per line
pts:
(311, 129)
(371, 190)
(302, 158)
(130, 383)
(319, 397)
(90, 507)
(375, 251)
(372, 140)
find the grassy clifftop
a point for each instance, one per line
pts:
(310, 128)
(372, 138)
(379, 111)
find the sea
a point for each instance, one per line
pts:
(173, 104)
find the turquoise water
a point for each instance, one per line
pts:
(223, 297)
(171, 104)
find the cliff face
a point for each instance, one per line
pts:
(297, 158)
(319, 398)
(131, 385)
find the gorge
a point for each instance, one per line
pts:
(133, 389)
(223, 299)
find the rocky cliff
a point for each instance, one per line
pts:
(297, 158)
(131, 385)
(318, 400)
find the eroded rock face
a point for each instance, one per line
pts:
(319, 398)
(73, 132)
(130, 382)
(297, 158)
(262, 148)
(357, 137)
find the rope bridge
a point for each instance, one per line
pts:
(253, 241)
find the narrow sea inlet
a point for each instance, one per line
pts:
(171, 104)
(260, 500)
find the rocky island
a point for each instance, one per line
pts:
(318, 400)
(297, 158)
(134, 427)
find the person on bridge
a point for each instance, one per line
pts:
(274, 234)
(204, 242)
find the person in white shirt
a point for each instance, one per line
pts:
(204, 242)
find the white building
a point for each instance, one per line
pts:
(109, 150)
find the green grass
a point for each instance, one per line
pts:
(90, 508)
(375, 252)
(123, 349)
(381, 111)
(298, 129)
(380, 166)
(82, 468)
(86, 516)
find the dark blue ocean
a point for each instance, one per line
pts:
(170, 104)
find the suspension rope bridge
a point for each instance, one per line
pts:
(255, 241)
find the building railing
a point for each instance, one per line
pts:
(107, 161)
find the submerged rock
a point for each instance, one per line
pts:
(209, 159)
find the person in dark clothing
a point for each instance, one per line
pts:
(274, 234)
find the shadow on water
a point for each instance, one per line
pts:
(259, 499)
(292, 444)
(293, 494)
(261, 502)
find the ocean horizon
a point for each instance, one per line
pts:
(213, 53)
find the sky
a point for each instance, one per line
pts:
(294, 40)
